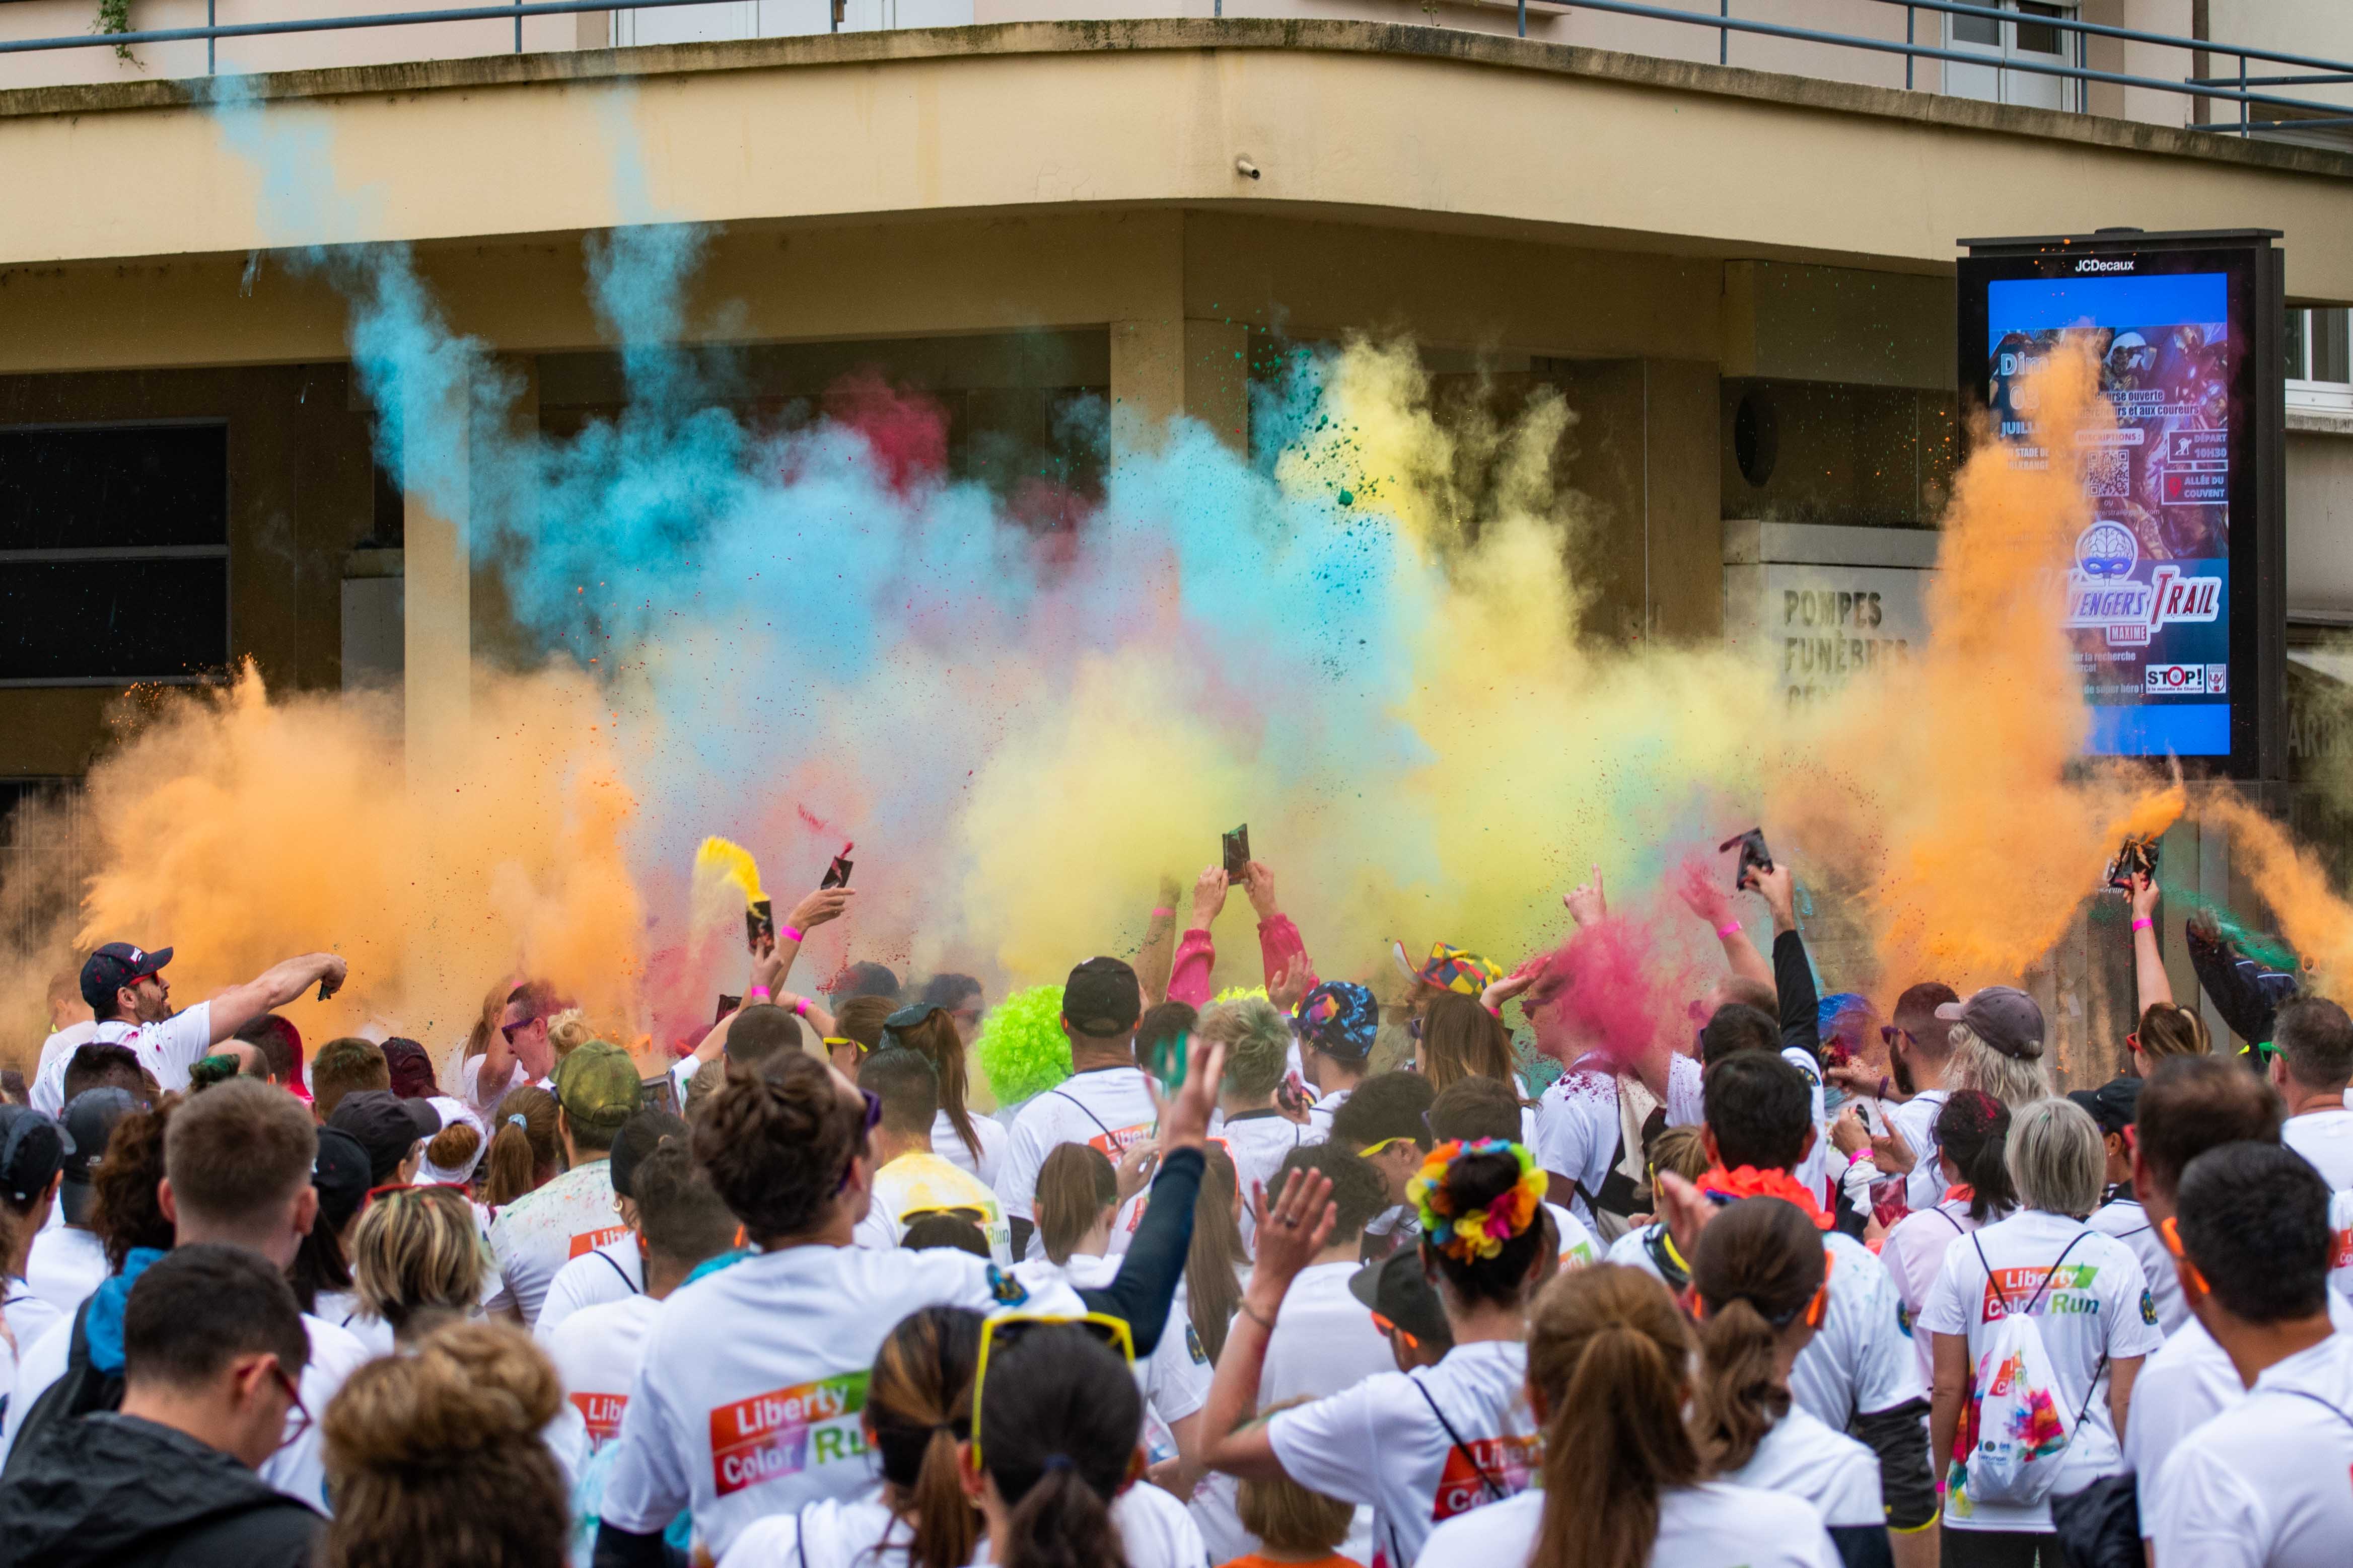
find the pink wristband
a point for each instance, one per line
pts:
(789, 934)
(1170, 914)
(2142, 922)
(759, 993)
(1728, 931)
(800, 1006)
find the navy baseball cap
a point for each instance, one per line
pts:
(114, 966)
(89, 1121)
(33, 1150)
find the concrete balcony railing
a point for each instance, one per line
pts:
(2281, 74)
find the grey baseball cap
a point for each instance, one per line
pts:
(2003, 1017)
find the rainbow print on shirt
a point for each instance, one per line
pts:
(784, 1431)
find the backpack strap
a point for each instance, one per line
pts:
(2051, 1273)
(1487, 1483)
(635, 1289)
(1991, 1283)
(1082, 1106)
(2304, 1393)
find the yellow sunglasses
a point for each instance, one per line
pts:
(1008, 1329)
(1371, 1149)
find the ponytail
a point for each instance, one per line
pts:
(936, 1037)
(522, 1149)
(919, 1405)
(1061, 1522)
(1075, 1184)
(1758, 1266)
(1607, 1348)
(1213, 1286)
(1973, 1130)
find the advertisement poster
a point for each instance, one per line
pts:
(2147, 594)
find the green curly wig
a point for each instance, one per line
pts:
(1022, 1045)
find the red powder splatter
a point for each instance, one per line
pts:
(906, 431)
(1611, 998)
(812, 819)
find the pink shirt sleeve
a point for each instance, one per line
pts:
(1189, 977)
(1278, 944)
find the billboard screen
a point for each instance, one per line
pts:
(2160, 595)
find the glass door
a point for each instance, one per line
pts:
(2025, 34)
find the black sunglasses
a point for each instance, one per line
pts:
(873, 1120)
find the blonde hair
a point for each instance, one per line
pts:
(2168, 1030)
(415, 1253)
(1257, 1042)
(1681, 1150)
(2016, 1081)
(1286, 1515)
(2057, 1160)
(435, 1460)
(568, 1031)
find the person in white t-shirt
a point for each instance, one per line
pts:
(1421, 1446)
(2186, 1106)
(1609, 1375)
(1106, 1103)
(517, 1050)
(2312, 1060)
(1762, 1281)
(2121, 1213)
(71, 1024)
(132, 1001)
(911, 1178)
(67, 1260)
(1911, 1095)
(1325, 1341)
(613, 1271)
(597, 1090)
(972, 1143)
(1337, 1022)
(1971, 1143)
(33, 1151)
(236, 1163)
(2262, 1485)
(744, 1404)
(1256, 1132)
(1472, 1109)
(2092, 1305)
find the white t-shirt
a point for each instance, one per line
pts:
(48, 1093)
(1801, 1457)
(1381, 1443)
(2326, 1139)
(2180, 1388)
(1175, 1375)
(167, 1048)
(1916, 1119)
(1258, 1142)
(754, 1374)
(993, 1137)
(863, 1534)
(1107, 1109)
(28, 1314)
(1577, 1124)
(1578, 1244)
(1324, 1339)
(2124, 1218)
(1712, 1525)
(470, 1085)
(913, 1184)
(2097, 1311)
(613, 1272)
(2265, 1485)
(545, 1228)
(66, 1264)
(597, 1352)
(1861, 1360)
(1914, 1254)
(1320, 1113)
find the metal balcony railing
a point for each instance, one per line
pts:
(2253, 89)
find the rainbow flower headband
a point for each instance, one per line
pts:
(1476, 1233)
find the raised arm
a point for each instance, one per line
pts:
(274, 987)
(2150, 982)
(1697, 888)
(1197, 954)
(1153, 1264)
(1282, 952)
(1157, 955)
(1793, 976)
(1291, 1229)
(823, 905)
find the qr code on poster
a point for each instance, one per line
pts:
(2108, 471)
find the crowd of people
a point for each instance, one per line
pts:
(1326, 1274)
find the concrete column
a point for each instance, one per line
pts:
(437, 636)
(1682, 501)
(1161, 368)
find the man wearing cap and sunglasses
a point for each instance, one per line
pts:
(125, 988)
(1105, 1103)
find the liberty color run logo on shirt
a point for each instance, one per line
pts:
(784, 1431)
(2020, 1284)
(588, 1241)
(1508, 1462)
(602, 1412)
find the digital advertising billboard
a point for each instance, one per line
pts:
(2174, 596)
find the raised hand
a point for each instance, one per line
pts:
(825, 904)
(1587, 903)
(1208, 897)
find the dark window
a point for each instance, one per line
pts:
(1980, 31)
(113, 554)
(2036, 37)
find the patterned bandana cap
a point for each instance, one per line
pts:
(1339, 1018)
(1475, 1233)
(1449, 969)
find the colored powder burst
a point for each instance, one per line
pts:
(1021, 1047)
(1370, 639)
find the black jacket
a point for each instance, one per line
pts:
(126, 1493)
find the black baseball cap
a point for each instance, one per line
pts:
(1398, 1290)
(89, 1121)
(2114, 1105)
(33, 1150)
(387, 1126)
(1103, 998)
(114, 966)
(342, 1175)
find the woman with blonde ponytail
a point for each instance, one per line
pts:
(1609, 1375)
(1760, 1285)
(435, 1460)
